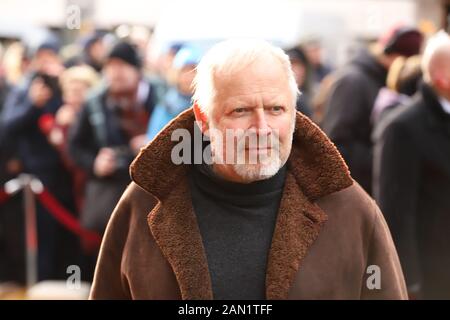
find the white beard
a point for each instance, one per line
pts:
(266, 166)
(255, 172)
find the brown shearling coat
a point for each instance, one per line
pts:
(328, 231)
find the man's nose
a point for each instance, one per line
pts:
(260, 124)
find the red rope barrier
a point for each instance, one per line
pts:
(3, 196)
(61, 215)
(65, 218)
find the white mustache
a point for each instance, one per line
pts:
(258, 142)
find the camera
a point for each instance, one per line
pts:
(123, 156)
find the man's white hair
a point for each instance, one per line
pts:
(231, 56)
(437, 45)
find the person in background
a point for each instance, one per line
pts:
(412, 176)
(4, 89)
(351, 99)
(178, 97)
(403, 81)
(320, 98)
(94, 51)
(109, 132)
(165, 61)
(75, 84)
(24, 121)
(302, 72)
(12, 266)
(313, 50)
(161, 67)
(15, 63)
(4, 85)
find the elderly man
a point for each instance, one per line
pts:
(412, 176)
(279, 219)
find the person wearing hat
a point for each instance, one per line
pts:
(94, 51)
(178, 97)
(412, 176)
(348, 108)
(403, 80)
(109, 132)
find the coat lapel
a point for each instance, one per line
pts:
(175, 230)
(298, 225)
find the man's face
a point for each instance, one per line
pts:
(47, 61)
(97, 51)
(121, 76)
(74, 93)
(441, 73)
(255, 105)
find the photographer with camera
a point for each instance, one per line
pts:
(110, 131)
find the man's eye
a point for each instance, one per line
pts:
(240, 110)
(276, 108)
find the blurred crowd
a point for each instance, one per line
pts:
(76, 121)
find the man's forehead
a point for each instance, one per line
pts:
(252, 76)
(265, 62)
(253, 95)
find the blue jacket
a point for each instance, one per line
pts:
(173, 103)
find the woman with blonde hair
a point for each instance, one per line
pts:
(402, 82)
(75, 84)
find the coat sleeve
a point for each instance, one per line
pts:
(396, 183)
(109, 281)
(384, 277)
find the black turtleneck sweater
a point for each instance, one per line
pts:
(236, 223)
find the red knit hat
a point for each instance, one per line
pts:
(406, 41)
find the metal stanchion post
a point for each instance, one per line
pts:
(30, 233)
(30, 186)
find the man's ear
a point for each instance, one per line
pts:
(445, 83)
(200, 117)
(441, 82)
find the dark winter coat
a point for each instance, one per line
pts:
(347, 114)
(412, 187)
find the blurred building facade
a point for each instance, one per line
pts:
(339, 24)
